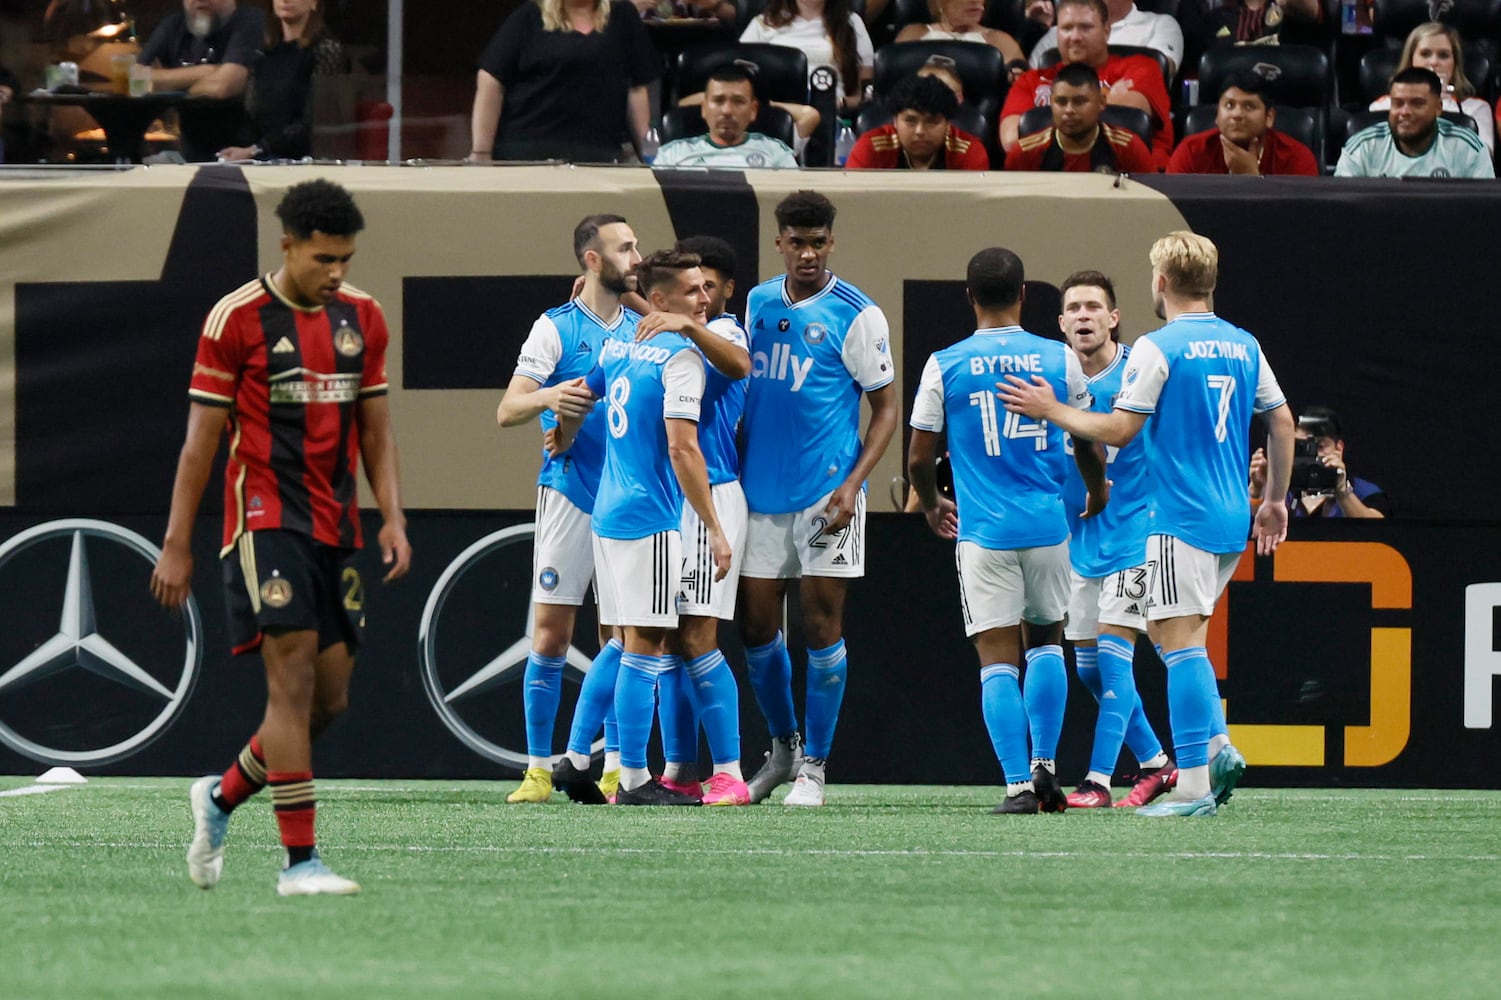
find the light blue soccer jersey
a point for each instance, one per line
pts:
(724, 402)
(1116, 538)
(642, 385)
(810, 362)
(564, 343)
(1200, 378)
(1008, 470)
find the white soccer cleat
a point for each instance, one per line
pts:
(313, 878)
(782, 763)
(206, 851)
(807, 790)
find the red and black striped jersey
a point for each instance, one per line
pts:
(292, 379)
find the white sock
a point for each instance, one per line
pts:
(1047, 764)
(1103, 780)
(579, 760)
(732, 769)
(1017, 787)
(1193, 782)
(680, 771)
(542, 762)
(612, 760)
(1217, 742)
(1160, 760)
(813, 766)
(632, 778)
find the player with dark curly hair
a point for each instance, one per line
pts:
(293, 367)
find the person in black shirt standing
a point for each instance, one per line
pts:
(564, 79)
(297, 52)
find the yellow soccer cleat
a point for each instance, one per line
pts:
(536, 786)
(609, 784)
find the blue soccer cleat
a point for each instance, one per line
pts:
(210, 823)
(1181, 807)
(1225, 772)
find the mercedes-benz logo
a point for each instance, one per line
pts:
(49, 677)
(507, 668)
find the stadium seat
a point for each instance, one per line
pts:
(980, 68)
(1378, 65)
(750, 9)
(1135, 119)
(967, 118)
(781, 71)
(1476, 19)
(1364, 119)
(681, 123)
(1296, 75)
(1051, 57)
(1305, 125)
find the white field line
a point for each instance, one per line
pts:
(34, 790)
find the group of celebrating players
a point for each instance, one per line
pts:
(692, 463)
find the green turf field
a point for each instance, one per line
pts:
(886, 892)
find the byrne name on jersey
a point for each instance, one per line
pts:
(1003, 364)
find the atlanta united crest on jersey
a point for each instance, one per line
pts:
(1201, 378)
(810, 362)
(1008, 470)
(564, 343)
(1116, 538)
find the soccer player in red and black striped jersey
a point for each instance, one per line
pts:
(291, 367)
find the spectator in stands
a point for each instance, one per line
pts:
(1129, 25)
(921, 135)
(564, 79)
(943, 68)
(1207, 23)
(1437, 47)
(297, 51)
(959, 21)
(1415, 141)
(723, 11)
(1350, 496)
(1244, 139)
(729, 107)
(828, 33)
(1133, 81)
(1078, 141)
(206, 49)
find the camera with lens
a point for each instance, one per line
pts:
(1310, 474)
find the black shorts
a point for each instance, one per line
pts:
(285, 580)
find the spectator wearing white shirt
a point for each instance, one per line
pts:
(1129, 25)
(827, 32)
(1437, 47)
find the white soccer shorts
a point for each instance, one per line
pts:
(1118, 599)
(999, 588)
(703, 596)
(1185, 580)
(793, 545)
(638, 579)
(563, 551)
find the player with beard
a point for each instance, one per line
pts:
(564, 346)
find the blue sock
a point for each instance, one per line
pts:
(612, 731)
(1006, 720)
(1193, 698)
(770, 668)
(1045, 693)
(676, 713)
(544, 689)
(828, 669)
(711, 683)
(1140, 736)
(636, 702)
(1117, 700)
(596, 699)
(1087, 666)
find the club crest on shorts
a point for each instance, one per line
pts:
(276, 593)
(814, 333)
(347, 340)
(548, 579)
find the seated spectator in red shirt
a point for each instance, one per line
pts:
(1135, 81)
(1244, 140)
(920, 136)
(1077, 141)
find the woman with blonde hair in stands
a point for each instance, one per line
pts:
(1437, 47)
(564, 79)
(829, 34)
(959, 21)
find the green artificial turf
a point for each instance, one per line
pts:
(885, 892)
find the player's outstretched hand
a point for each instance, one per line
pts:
(1094, 504)
(944, 519)
(395, 550)
(1033, 399)
(723, 554)
(172, 578)
(1270, 527)
(573, 399)
(654, 323)
(841, 508)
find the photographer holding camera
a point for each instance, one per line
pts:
(1319, 473)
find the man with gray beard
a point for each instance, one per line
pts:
(206, 49)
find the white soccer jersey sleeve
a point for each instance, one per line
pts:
(1146, 374)
(541, 351)
(1268, 393)
(927, 408)
(730, 330)
(867, 350)
(683, 386)
(1079, 396)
